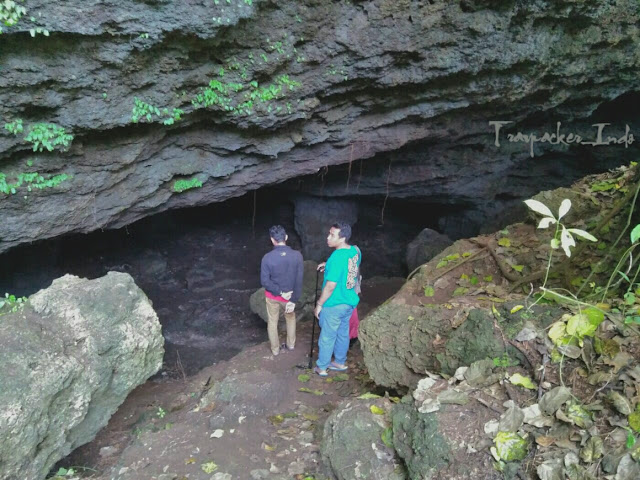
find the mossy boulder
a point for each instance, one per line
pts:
(355, 445)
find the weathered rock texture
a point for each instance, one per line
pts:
(447, 443)
(69, 359)
(419, 78)
(412, 333)
(352, 445)
(425, 246)
(313, 219)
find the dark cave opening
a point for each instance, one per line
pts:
(200, 265)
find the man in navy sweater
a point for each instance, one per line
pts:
(281, 276)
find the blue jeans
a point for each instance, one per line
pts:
(334, 335)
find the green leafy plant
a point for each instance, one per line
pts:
(32, 180)
(562, 237)
(14, 127)
(11, 12)
(161, 412)
(49, 136)
(182, 185)
(11, 303)
(147, 111)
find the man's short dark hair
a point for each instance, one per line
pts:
(345, 230)
(278, 233)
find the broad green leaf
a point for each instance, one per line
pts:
(635, 233)
(517, 308)
(387, 437)
(504, 242)
(629, 298)
(429, 291)
(564, 208)
(368, 395)
(466, 254)
(510, 446)
(578, 415)
(452, 257)
(595, 316)
(441, 263)
(557, 331)
(517, 268)
(539, 207)
(583, 234)
(276, 419)
(377, 410)
(304, 378)
(522, 381)
(208, 467)
(634, 421)
(460, 291)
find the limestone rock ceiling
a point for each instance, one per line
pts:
(240, 94)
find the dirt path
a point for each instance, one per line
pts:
(268, 427)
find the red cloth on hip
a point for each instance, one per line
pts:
(354, 322)
(273, 297)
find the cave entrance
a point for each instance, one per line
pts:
(200, 265)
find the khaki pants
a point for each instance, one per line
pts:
(273, 313)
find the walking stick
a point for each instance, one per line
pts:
(313, 329)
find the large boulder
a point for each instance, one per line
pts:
(438, 432)
(70, 357)
(356, 442)
(425, 246)
(304, 306)
(313, 219)
(401, 342)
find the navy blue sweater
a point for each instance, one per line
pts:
(281, 271)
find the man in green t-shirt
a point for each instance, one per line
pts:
(337, 301)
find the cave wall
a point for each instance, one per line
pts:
(372, 77)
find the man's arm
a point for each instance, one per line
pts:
(328, 289)
(265, 277)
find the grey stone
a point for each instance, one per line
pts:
(420, 132)
(351, 446)
(295, 468)
(425, 246)
(71, 357)
(313, 219)
(108, 451)
(259, 474)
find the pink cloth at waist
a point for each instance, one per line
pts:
(274, 297)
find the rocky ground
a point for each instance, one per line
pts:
(254, 416)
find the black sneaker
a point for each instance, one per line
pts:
(284, 348)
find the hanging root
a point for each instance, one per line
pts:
(384, 204)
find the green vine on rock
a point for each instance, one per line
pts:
(14, 127)
(11, 12)
(226, 95)
(32, 180)
(49, 136)
(11, 304)
(147, 111)
(182, 185)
